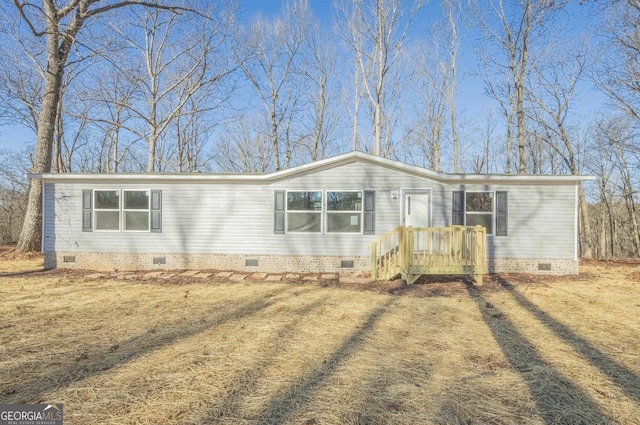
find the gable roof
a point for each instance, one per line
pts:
(336, 161)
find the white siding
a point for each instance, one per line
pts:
(225, 218)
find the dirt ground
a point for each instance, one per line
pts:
(521, 349)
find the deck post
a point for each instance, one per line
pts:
(374, 265)
(408, 240)
(479, 249)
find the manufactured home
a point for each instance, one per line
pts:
(319, 217)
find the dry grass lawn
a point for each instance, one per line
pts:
(520, 350)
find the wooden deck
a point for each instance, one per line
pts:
(411, 252)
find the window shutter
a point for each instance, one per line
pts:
(156, 211)
(87, 210)
(278, 224)
(458, 208)
(502, 207)
(369, 213)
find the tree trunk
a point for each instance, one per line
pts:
(507, 168)
(587, 236)
(356, 110)
(520, 123)
(274, 135)
(377, 129)
(31, 235)
(633, 221)
(519, 87)
(612, 229)
(151, 160)
(603, 223)
(454, 137)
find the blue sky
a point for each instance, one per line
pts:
(472, 100)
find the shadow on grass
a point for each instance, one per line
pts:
(25, 272)
(165, 334)
(279, 409)
(246, 380)
(557, 399)
(624, 378)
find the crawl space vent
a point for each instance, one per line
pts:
(69, 259)
(159, 260)
(544, 266)
(346, 264)
(251, 263)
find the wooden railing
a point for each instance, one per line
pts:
(386, 261)
(412, 252)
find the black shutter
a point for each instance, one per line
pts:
(156, 211)
(278, 222)
(87, 210)
(369, 214)
(502, 207)
(458, 208)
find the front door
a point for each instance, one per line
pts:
(416, 209)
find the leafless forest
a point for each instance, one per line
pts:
(199, 86)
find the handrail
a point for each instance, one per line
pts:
(385, 254)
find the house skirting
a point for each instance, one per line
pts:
(243, 263)
(552, 266)
(273, 263)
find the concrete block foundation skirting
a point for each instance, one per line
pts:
(273, 263)
(533, 265)
(241, 263)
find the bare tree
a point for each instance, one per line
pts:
(60, 25)
(110, 90)
(618, 71)
(172, 71)
(318, 65)
(555, 80)
(628, 189)
(483, 162)
(192, 132)
(614, 159)
(13, 193)
(513, 29)
(268, 57)
(375, 31)
(431, 106)
(246, 149)
(602, 165)
(457, 22)
(435, 85)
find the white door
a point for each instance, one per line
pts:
(416, 209)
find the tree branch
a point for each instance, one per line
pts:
(67, 9)
(27, 20)
(175, 9)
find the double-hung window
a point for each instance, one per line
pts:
(114, 210)
(344, 212)
(107, 210)
(480, 210)
(135, 210)
(304, 212)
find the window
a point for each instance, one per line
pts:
(479, 210)
(107, 210)
(136, 210)
(344, 212)
(349, 211)
(122, 210)
(304, 212)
